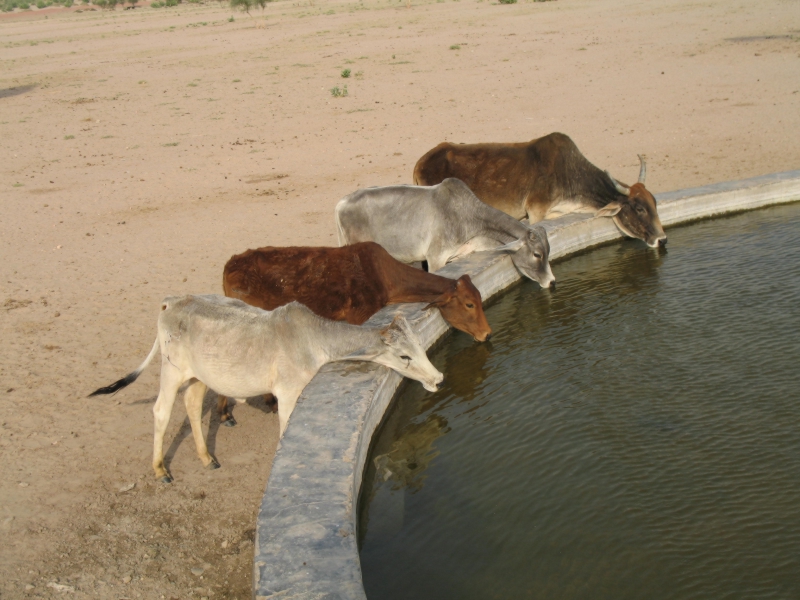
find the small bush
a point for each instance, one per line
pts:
(69, 137)
(339, 93)
(248, 5)
(346, 73)
(456, 46)
(507, 1)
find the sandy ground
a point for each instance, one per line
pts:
(141, 149)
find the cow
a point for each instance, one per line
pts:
(240, 351)
(350, 284)
(544, 178)
(438, 224)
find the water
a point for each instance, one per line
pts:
(635, 434)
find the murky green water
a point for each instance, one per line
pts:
(635, 434)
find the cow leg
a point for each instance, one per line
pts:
(224, 410)
(193, 398)
(287, 398)
(434, 263)
(170, 382)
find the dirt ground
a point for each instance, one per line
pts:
(142, 148)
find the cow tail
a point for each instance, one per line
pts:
(129, 378)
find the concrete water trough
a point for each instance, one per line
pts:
(306, 540)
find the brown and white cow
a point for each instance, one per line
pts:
(350, 284)
(544, 178)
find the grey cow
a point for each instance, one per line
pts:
(438, 224)
(241, 351)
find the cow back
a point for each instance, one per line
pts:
(342, 284)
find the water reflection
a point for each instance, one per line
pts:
(630, 435)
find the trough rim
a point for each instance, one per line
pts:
(306, 538)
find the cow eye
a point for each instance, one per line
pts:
(640, 210)
(537, 255)
(470, 305)
(404, 357)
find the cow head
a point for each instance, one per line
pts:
(635, 214)
(402, 351)
(461, 306)
(530, 255)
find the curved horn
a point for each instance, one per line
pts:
(620, 188)
(642, 168)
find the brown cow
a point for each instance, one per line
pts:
(350, 284)
(544, 178)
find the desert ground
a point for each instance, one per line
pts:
(142, 148)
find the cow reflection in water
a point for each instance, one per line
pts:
(407, 445)
(412, 447)
(411, 454)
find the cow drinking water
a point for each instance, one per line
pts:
(542, 179)
(241, 351)
(350, 284)
(438, 224)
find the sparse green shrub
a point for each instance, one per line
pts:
(248, 5)
(456, 46)
(171, 3)
(346, 73)
(68, 3)
(156, 4)
(24, 5)
(507, 1)
(69, 137)
(41, 4)
(339, 93)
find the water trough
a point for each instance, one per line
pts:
(306, 543)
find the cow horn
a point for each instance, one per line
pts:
(642, 168)
(620, 188)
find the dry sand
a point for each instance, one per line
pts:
(142, 148)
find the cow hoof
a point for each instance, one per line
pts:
(231, 422)
(212, 465)
(166, 479)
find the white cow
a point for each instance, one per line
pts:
(242, 351)
(438, 224)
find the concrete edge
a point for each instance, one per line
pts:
(306, 540)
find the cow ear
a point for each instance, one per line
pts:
(444, 298)
(434, 304)
(463, 280)
(514, 246)
(609, 210)
(394, 330)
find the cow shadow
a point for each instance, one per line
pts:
(214, 423)
(16, 90)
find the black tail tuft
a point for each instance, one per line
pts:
(117, 385)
